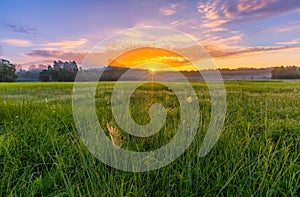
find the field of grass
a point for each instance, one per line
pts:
(257, 154)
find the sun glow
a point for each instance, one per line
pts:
(148, 55)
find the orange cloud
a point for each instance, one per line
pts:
(151, 55)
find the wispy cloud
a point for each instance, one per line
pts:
(63, 45)
(55, 54)
(142, 38)
(94, 57)
(215, 49)
(292, 26)
(214, 43)
(215, 53)
(168, 10)
(292, 42)
(66, 44)
(28, 63)
(209, 9)
(287, 29)
(186, 24)
(16, 42)
(218, 13)
(243, 8)
(21, 28)
(214, 23)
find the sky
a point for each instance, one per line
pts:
(235, 33)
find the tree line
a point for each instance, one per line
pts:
(289, 72)
(66, 71)
(60, 71)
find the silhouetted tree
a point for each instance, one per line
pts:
(60, 71)
(7, 71)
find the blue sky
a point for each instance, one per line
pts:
(236, 33)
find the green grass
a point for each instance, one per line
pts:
(257, 154)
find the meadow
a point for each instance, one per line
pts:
(257, 154)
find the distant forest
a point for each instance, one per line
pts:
(66, 71)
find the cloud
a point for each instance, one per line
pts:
(224, 52)
(287, 29)
(179, 23)
(217, 43)
(186, 24)
(142, 38)
(29, 63)
(1, 53)
(55, 54)
(292, 26)
(210, 10)
(215, 53)
(21, 29)
(168, 10)
(218, 29)
(66, 44)
(242, 8)
(214, 23)
(16, 42)
(216, 12)
(227, 40)
(292, 42)
(95, 58)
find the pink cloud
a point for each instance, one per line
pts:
(67, 44)
(168, 10)
(16, 42)
(54, 54)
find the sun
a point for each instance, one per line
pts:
(153, 70)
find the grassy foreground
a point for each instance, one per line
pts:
(257, 154)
